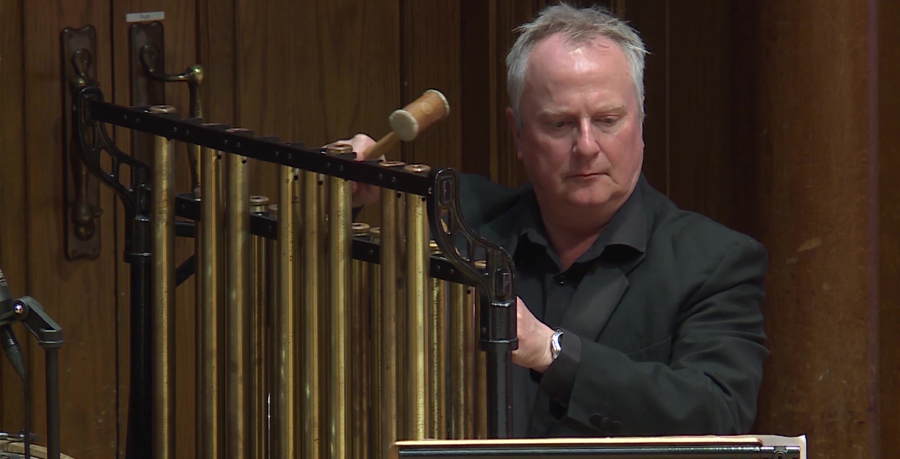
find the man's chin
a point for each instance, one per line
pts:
(589, 201)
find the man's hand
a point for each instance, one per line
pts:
(362, 193)
(534, 340)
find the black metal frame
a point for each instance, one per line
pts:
(49, 336)
(496, 283)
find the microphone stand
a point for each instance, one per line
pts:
(49, 336)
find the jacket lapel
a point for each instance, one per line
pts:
(597, 296)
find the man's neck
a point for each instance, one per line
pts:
(571, 234)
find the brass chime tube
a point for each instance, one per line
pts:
(269, 398)
(437, 353)
(163, 284)
(210, 256)
(419, 399)
(375, 345)
(391, 415)
(237, 224)
(259, 339)
(339, 259)
(284, 405)
(481, 415)
(194, 152)
(312, 437)
(359, 345)
(462, 359)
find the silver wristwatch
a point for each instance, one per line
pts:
(555, 347)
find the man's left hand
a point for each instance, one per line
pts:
(534, 340)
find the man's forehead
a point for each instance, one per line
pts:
(554, 53)
(580, 44)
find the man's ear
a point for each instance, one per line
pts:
(511, 118)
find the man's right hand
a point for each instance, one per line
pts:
(362, 193)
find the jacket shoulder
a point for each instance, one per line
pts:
(483, 200)
(685, 238)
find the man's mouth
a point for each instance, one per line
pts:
(586, 175)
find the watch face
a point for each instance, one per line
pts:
(556, 344)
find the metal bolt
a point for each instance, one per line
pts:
(18, 308)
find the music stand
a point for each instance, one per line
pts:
(703, 447)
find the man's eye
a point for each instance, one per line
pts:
(608, 120)
(560, 124)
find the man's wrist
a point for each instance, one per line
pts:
(547, 355)
(556, 343)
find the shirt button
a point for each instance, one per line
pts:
(615, 427)
(561, 279)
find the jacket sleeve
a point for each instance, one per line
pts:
(711, 382)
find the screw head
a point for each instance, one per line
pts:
(18, 308)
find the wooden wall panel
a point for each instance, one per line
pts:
(13, 200)
(216, 53)
(479, 108)
(701, 174)
(888, 100)
(79, 295)
(430, 58)
(316, 72)
(651, 19)
(505, 167)
(811, 208)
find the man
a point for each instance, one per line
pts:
(634, 317)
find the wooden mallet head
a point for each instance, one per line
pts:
(408, 122)
(419, 115)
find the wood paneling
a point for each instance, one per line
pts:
(216, 53)
(505, 167)
(478, 66)
(430, 58)
(79, 295)
(807, 129)
(888, 100)
(651, 19)
(13, 201)
(700, 172)
(316, 72)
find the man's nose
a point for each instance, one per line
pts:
(586, 144)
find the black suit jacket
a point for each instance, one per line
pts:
(667, 342)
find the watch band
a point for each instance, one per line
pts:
(555, 346)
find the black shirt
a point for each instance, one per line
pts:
(547, 290)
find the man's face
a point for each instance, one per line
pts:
(581, 139)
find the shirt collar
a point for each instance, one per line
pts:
(626, 230)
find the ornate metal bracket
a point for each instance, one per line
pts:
(110, 164)
(148, 80)
(82, 198)
(496, 284)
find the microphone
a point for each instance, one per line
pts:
(7, 338)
